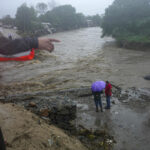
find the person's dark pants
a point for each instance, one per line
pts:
(108, 102)
(97, 99)
(98, 102)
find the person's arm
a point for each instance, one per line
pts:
(10, 47)
(2, 143)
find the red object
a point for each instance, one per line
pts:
(108, 89)
(24, 56)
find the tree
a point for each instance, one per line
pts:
(64, 18)
(7, 20)
(96, 20)
(81, 20)
(41, 8)
(25, 17)
(127, 19)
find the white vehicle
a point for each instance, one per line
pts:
(48, 27)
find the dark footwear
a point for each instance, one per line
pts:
(96, 109)
(107, 107)
(101, 110)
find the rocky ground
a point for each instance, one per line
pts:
(74, 111)
(60, 109)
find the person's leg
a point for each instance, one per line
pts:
(96, 104)
(108, 102)
(100, 104)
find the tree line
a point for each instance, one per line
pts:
(29, 19)
(128, 21)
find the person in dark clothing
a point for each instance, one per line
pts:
(108, 94)
(10, 37)
(10, 47)
(97, 99)
(2, 142)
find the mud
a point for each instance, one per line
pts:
(127, 121)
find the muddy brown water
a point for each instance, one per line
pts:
(81, 58)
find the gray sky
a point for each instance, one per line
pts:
(88, 7)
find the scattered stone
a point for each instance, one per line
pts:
(95, 140)
(124, 101)
(116, 113)
(32, 104)
(44, 112)
(39, 122)
(113, 102)
(147, 77)
(50, 141)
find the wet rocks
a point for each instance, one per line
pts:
(59, 107)
(32, 104)
(147, 77)
(95, 140)
(44, 112)
(62, 116)
(59, 110)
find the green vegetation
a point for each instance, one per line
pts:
(7, 20)
(26, 19)
(41, 8)
(96, 19)
(128, 21)
(64, 18)
(38, 20)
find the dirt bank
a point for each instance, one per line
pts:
(23, 131)
(127, 122)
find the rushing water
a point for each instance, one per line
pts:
(80, 58)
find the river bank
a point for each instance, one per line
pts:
(23, 130)
(124, 126)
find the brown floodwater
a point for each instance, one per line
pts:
(81, 58)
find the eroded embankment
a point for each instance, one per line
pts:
(23, 131)
(73, 110)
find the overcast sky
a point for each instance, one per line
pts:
(88, 7)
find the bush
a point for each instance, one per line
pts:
(128, 20)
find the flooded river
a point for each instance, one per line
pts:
(81, 58)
